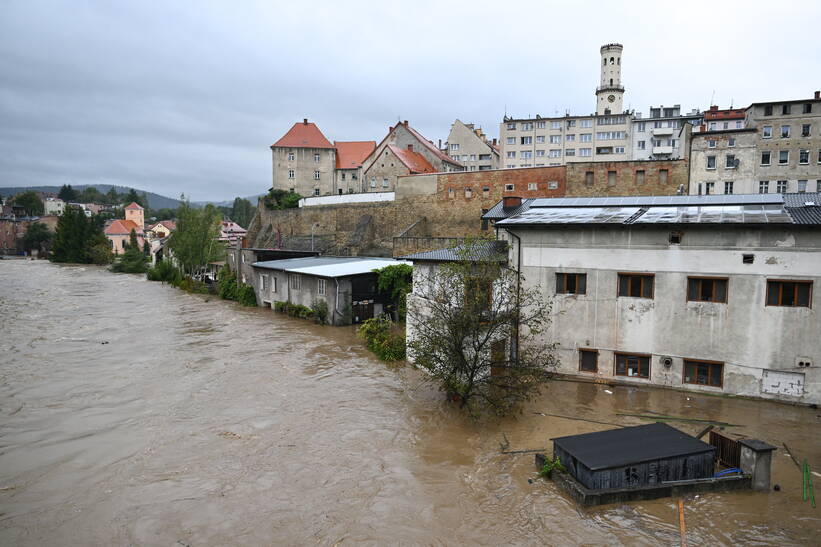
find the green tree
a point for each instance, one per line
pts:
(90, 194)
(31, 202)
(133, 260)
(194, 243)
(133, 196)
(395, 281)
(281, 199)
(37, 237)
(80, 239)
(478, 333)
(112, 197)
(67, 193)
(242, 212)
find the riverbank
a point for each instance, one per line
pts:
(202, 422)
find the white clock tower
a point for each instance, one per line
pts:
(610, 93)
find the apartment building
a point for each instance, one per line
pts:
(664, 134)
(723, 161)
(469, 145)
(788, 135)
(603, 136)
(722, 120)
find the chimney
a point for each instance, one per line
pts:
(405, 123)
(818, 95)
(440, 144)
(509, 202)
(305, 121)
(494, 142)
(410, 148)
(713, 108)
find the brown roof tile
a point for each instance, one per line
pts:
(351, 154)
(414, 161)
(303, 135)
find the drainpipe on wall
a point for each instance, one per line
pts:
(336, 303)
(515, 350)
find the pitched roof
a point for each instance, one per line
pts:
(494, 251)
(329, 266)
(499, 211)
(351, 154)
(303, 135)
(133, 205)
(429, 145)
(170, 224)
(122, 227)
(414, 161)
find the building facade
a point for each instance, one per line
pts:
(304, 161)
(723, 161)
(54, 206)
(789, 144)
(403, 151)
(664, 134)
(349, 158)
(469, 146)
(118, 231)
(699, 292)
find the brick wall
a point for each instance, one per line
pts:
(626, 178)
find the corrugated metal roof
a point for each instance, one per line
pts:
(651, 201)
(329, 266)
(495, 251)
(805, 215)
(803, 199)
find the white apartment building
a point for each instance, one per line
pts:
(663, 134)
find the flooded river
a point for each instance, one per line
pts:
(136, 414)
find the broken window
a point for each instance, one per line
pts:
(637, 366)
(704, 373)
(706, 289)
(636, 285)
(789, 293)
(588, 360)
(571, 283)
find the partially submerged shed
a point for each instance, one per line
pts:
(634, 457)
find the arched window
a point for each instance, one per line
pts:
(611, 61)
(618, 60)
(604, 62)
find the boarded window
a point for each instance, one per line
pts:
(703, 373)
(636, 285)
(663, 176)
(588, 360)
(706, 289)
(611, 178)
(571, 283)
(588, 178)
(636, 366)
(640, 177)
(789, 293)
(468, 192)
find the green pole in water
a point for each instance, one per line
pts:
(804, 478)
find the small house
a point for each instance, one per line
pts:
(634, 457)
(348, 285)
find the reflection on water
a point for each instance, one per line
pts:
(133, 413)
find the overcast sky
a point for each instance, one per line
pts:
(176, 96)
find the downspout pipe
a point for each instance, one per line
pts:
(336, 302)
(515, 353)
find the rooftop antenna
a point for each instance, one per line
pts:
(712, 98)
(731, 103)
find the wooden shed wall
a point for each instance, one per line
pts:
(688, 467)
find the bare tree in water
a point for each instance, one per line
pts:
(478, 333)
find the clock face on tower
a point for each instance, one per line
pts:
(611, 98)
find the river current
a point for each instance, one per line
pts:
(136, 414)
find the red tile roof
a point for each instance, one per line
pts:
(133, 205)
(169, 224)
(414, 161)
(350, 155)
(429, 145)
(122, 227)
(303, 135)
(731, 114)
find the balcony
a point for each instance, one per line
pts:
(662, 150)
(609, 88)
(662, 131)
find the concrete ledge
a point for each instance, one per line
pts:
(588, 498)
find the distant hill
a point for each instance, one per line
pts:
(228, 203)
(155, 201)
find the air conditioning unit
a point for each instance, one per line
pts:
(666, 361)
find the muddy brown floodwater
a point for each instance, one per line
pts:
(133, 413)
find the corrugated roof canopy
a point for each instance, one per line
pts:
(329, 266)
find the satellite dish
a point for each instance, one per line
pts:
(736, 162)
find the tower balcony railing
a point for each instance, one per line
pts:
(610, 88)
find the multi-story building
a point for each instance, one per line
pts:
(788, 135)
(54, 206)
(469, 146)
(723, 161)
(403, 151)
(664, 134)
(722, 120)
(304, 161)
(603, 136)
(349, 158)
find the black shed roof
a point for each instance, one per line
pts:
(620, 447)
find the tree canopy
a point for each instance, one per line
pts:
(478, 333)
(242, 212)
(67, 193)
(31, 202)
(194, 243)
(395, 281)
(37, 237)
(134, 259)
(80, 239)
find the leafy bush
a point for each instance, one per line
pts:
(281, 199)
(549, 466)
(192, 285)
(387, 345)
(164, 271)
(295, 310)
(246, 296)
(396, 282)
(227, 283)
(319, 308)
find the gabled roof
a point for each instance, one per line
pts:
(170, 224)
(414, 161)
(429, 145)
(122, 227)
(351, 154)
(133, 205)
(303, 135)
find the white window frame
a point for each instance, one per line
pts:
(294, 282)
(766, 132)
(316, 174)
(785, 162)
(317, 158)
(320, 287)
(291, 156)
(291, 173)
